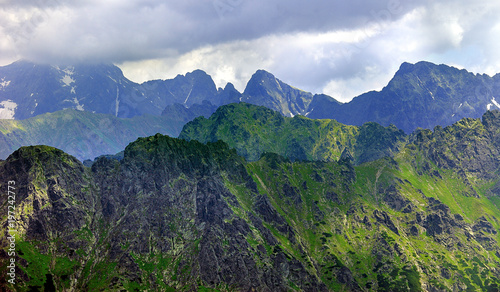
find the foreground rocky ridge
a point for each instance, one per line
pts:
(178, 215)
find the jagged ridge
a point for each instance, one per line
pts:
(183, 215)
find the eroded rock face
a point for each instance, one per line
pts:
(200, 209)
(183, 215)
(47, 182)
(435, 224)
(383, 218)
(469, 145)
(162, 202)
(397, 202)
(483, 225)
(344, 276)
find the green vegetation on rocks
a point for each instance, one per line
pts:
(252, 130)
(177, 215)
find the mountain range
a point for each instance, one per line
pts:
(30, 89)
(397, 190)
(177, 215)
(421, 95)
(442, 94)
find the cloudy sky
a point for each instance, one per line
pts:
(341, 48)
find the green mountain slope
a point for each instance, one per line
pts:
(83, 134)
(253, 130)
(174, 215)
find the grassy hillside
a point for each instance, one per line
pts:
(385, 225)
(253, 130)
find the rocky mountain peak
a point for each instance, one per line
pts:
(267, 90)
(229, 86)
(260, 80)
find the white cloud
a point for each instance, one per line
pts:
(334, 47)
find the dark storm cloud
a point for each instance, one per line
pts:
(118, 31)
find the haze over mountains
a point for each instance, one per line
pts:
(83, 134)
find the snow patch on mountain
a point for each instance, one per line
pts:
(117, 102)
(69, 70)
(4, 83)
(67, 80)
(68, 73)
(493, 102)
(78, 106)
(189, 94)
(7, 109)
(76, 102)
(36, 104)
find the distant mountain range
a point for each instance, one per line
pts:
(421, 95)
(28, 89)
